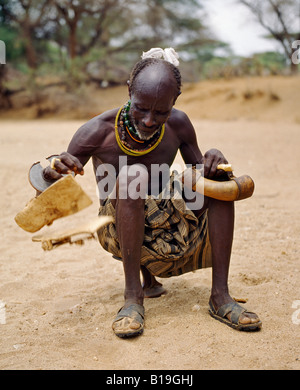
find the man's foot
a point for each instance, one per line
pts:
(234, 315)
(151, 287)
(154, 291)
(129, 321)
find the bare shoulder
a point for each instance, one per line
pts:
(178, 115)
(183, 129)
(95, 131)
(97, 127)
(181, 124)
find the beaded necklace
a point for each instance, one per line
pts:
(124, 146)
(126, 119)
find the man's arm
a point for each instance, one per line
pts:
(81, 148)
(190, 151)
(189, 148)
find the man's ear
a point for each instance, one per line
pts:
(129, 89)
(179, 93)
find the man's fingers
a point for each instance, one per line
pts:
(51, 174)
(211, 167)
(60, 167)
(66, 163)
(72, 163)
(55, 175)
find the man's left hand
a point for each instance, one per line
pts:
(211, 160)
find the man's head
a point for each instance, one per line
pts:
(154, 86)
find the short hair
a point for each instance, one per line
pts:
(144, 63)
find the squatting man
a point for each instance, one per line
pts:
(156, 236)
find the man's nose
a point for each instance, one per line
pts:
(149, 119)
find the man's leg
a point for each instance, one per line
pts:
(221, 227)
(130, 225)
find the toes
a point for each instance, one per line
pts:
(134, 325)
(126, 324)
(248, 318)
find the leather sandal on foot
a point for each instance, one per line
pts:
(235, 310)
(129, 322)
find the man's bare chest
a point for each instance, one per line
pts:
(163, 154)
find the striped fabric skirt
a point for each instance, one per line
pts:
(175, 240)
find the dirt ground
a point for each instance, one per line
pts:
(57, 307)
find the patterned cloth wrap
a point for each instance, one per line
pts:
(175, 241)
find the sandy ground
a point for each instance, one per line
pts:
(56, 308)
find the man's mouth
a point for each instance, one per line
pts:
(145, 135)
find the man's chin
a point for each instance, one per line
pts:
(145, 136)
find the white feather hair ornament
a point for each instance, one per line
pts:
(168, 54)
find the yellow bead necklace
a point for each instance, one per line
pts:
(135, 152)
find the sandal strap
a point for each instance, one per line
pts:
(133, 311)
(234, 309)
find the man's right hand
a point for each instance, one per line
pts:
(65, 163)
